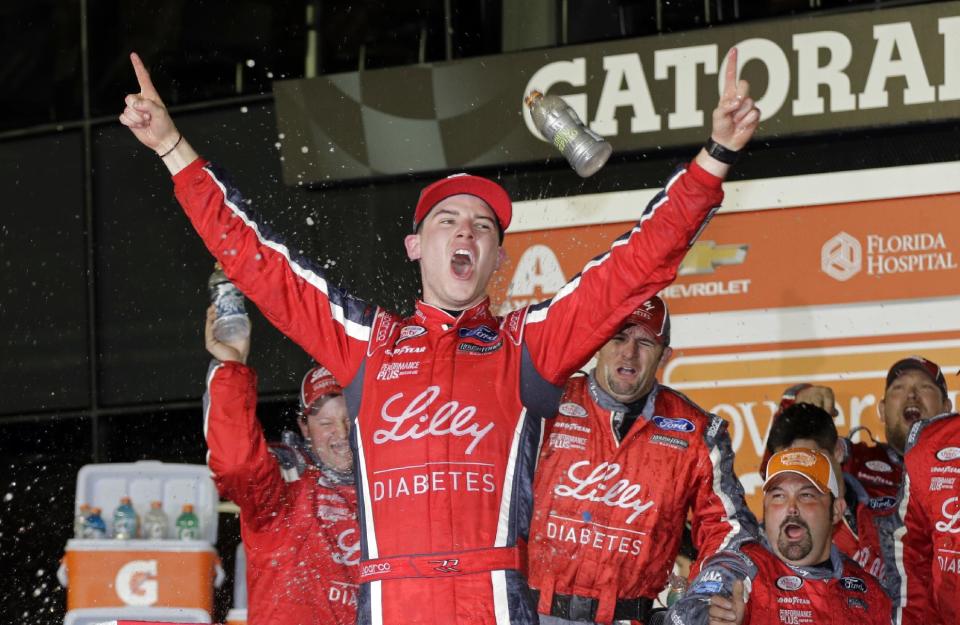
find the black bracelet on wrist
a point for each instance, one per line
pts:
(167, 153)
(722, 154)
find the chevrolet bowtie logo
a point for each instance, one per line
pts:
(705, 256)
(446, 566)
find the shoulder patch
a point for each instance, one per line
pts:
(571, 409)
(948, 453)
(672, 424)
(879, 466)
(384, 325)
(853, 583)
(789, 583)
(512, 325)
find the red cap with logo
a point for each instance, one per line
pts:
(653, 316)
(317, 383)
(918, 363)
(487, 190)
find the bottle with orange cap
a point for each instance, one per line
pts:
(188, 525)
(125, 520)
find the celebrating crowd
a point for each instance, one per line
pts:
(486, 482)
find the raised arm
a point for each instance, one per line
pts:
(565, 332)
(243, 468)
(290, 290)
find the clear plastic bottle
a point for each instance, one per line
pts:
(95, 527)
(585, 150)
(188, 525)
(232, 323)
(125, 520)
(155, 522)
(80, 521)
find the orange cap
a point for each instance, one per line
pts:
(810, 463)
(188, 507)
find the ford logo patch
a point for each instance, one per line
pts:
(674, 425)
(482, 333)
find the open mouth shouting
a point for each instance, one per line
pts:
(462, 263)
(795, 541)
(912, 414)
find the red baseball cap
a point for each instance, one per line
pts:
(918, 363)
(487, 190)
(654, 317)
(317, 383)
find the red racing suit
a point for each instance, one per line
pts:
(299, 530)
(447, 409)
(781, 594)
(607, 512)
(925, 558)
(878, 467)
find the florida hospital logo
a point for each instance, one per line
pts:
(841, 257)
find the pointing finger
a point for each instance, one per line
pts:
(147, 89)
(730, 76)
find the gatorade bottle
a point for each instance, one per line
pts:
(155, 522)
(188, 525)
(80, 521)
(95, 526)
(585, 150)
(125, 520)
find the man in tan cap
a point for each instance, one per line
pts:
(795, 574)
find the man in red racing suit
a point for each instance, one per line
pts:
(623, 463)
(925, 558)
(297, 505)
(794, 575)
(447, 403)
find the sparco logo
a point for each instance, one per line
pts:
(598, 486)
(375, 568)
(447, 419)
(951, 512)
(841, 257)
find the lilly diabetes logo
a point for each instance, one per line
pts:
(841, 257)
(481, 333)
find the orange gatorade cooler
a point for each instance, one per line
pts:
(168, 573)
(162, 572)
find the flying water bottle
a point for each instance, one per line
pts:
(155, 522)
(232, 322)
(585, 150)
(125, 520)
(188, 525)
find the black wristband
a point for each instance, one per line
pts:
(722, 154)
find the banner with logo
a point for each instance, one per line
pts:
(826, 278)
(817, 74)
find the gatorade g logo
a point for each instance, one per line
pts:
(136, 583)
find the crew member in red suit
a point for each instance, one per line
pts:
(298, 505)
(795, 574)
(624, 463)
